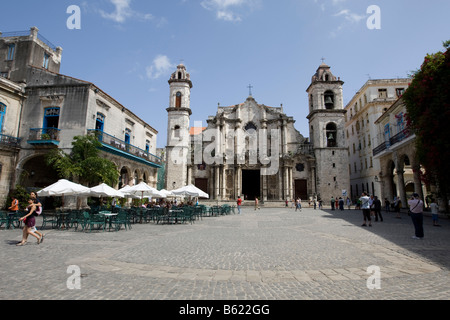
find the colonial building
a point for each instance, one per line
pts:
(400, 170)
(253, 150)
(46, 110)
(12, 98)
(368, 104)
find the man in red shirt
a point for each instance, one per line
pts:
(239, 202)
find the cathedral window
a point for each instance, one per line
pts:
(331, 132)
(250, 128)
(300, 167)
(178, 100)
(177, 130)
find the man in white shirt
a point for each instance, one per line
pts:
(416, 211)
(365, 206)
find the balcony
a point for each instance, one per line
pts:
(393, 142)
(119, 147)
(402, 135)
(44, 137)
(8, 142)
(383, 147)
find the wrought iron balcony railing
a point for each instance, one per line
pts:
(402, 135)
(9, 142)
(44, 136)
(121, 145)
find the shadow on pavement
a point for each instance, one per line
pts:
(435, 246)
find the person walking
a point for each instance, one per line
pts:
(387, 205)
(372, 209)
(239, 203)
(298, 205)
(365, 206)
(341, 204)
(30, 222)
(434, 213)
(377, 208)
(397, 207)
(416, 212)
(257, 204)
(349, 203)
(38, 211)
(333, 202)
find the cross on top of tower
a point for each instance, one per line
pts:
(323, 60)
(250, 87)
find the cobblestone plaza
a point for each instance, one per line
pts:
(271, 254)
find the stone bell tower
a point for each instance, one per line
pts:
(178, 139)
(326, 125)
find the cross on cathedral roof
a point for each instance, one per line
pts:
(250, 87)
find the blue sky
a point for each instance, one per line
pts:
(129, 48)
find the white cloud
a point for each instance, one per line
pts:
(123, 11)
(161, 66)
(350, 16)
(345, 17)
(227, 9)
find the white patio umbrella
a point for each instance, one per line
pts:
(125, 191)
(166, 193)
(103, 190)
(144, 190)
(192, 191)
(63, 188)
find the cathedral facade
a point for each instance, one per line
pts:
(254, 151)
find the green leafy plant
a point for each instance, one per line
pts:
(84, 163)
(428, 105)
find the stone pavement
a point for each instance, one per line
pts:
(271, 254)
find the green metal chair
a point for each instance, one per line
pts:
(49, 219)
(93, 221)
(4, 219)
(121, 219)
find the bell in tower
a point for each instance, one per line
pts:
(329, 100)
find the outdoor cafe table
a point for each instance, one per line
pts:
(62, 220)
(108, 217)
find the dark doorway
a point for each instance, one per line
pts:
(202, 184)
(301, 189)
(251, 184)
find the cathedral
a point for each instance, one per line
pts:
(254, 151)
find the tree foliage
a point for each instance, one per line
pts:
(84, 163)
(428, 105)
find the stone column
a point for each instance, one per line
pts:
(217, 182)
(224, 182)
(285, 182)
(239, 183)
(264, 184)
(401, 188)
